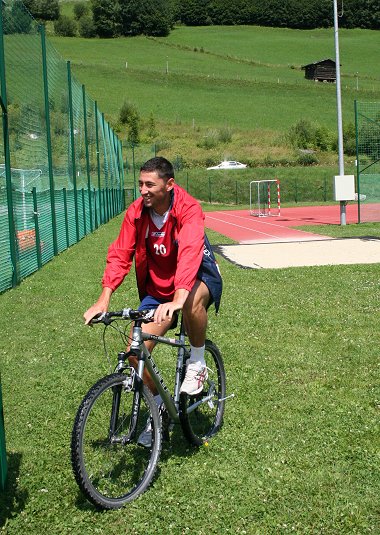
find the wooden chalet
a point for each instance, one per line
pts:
(321, 71)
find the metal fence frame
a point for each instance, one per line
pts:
(367, 126)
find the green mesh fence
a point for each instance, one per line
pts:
(61, 165)
(136, 156)
(367, 117)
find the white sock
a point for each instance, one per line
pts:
(158, 399)
(197, 354)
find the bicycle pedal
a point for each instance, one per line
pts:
(227, 397)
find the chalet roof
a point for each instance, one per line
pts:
(327, 60)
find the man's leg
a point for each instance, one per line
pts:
(195, 319)
(158, 330)
(195, 313)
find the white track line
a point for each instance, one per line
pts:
(245, 228)
(264, 223)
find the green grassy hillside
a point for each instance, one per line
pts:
(198, 81)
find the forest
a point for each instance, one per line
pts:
(114, 18)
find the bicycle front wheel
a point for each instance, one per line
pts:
(110, 467)
(201, 416)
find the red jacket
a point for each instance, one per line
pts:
(189, 233)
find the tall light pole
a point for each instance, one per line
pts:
(339, 111)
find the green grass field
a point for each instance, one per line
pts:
(248, 77)
(299, 450)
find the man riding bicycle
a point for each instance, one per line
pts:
(163, 231)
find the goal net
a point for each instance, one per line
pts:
(264, 198)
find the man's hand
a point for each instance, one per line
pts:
(165, 311)
(99, 307)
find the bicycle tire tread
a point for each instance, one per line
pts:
(76, 458)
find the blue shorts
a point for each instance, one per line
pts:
(150, 302)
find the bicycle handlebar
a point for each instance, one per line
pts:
(126, 314)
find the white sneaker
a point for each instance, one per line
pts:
(145, 438)
(196, 375)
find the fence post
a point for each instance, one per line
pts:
(357, 156)
(3, 452)
(98, 161)
(84, 214)
(122, 207)
(134, 171)
(236, 192)
(66, 217)
(87, 156)
(95, 209)
(112, 167)
(72, 140)
(106, 166)
(7, 160)
(48, 139)
(37, 228)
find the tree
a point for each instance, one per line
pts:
(152, 131)
(65, 26)
(127, 112)
(149, 17)
(43, 9)
(195, 13)
(86, 26)
(220, 12)
(17, 20)
(361, 14)
(133, 132)
(106, 17)
(80, 10)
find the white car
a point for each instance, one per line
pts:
(228, 165)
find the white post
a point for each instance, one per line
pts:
(339, 111)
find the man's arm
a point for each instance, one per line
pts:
(165, 311)
(100, 306)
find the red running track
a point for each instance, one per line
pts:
(243, 227)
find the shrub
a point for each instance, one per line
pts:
(307, 158)
(210, 140)
(162, 144)
(65, 26)
(80, 10)
(225, 134)
(133, 132)
(19, 21)
(323, 138)
(87, 27)
(349, 140)
(302, 134)
(128, 112)
(152, 132)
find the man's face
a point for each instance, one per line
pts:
(155, 191)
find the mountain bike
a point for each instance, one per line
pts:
(110, 466)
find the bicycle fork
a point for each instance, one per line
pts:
(133, 382)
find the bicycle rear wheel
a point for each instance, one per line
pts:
(110, 467)
(201, 416)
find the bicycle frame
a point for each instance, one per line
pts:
(145, 359)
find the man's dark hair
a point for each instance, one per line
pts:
(160, 165)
